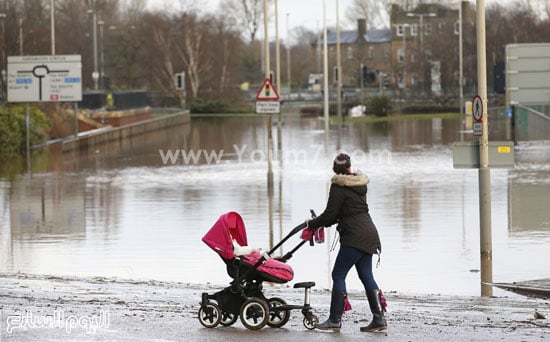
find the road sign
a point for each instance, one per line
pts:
(509, 112)
(267, 92)
(267, 99)
(268, 107)
(477, 108)
(478, 129)
(51, 78)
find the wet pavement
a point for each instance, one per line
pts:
(131, 310)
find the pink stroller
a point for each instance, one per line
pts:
(244, 297)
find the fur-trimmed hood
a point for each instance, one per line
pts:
(350, 180)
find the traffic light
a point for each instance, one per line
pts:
(371, 76)
(367, 76)
(364, 75)
(386, 81)
(179, 81)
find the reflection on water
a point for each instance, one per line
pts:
(119, 210)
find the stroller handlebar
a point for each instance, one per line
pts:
(293, 232)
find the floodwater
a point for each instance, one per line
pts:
(139, 208)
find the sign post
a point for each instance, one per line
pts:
(484, 173)
(50, 78)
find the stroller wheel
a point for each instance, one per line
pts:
(254, 313)
(211, 315)
(310, 320)
(228, 319)
(277, 318)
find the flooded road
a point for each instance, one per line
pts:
(139, 208)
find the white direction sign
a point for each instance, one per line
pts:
(51, 78)
(268, 107)
(478, 129)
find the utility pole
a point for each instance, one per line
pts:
(93, 11)
(288, 75)
(95, 74)
(325, 68)
(338, 62)
(405, 60)
(269, 130)
(460, 60)
(486, 246)
(278, 80)
(52, 22)
(21, 36)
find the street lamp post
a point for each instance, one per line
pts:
(325, 72)
(288, 75)
(421, 22)
(95, 73)
(3, 17)
(101, 55)
(338, 63)
(460, 61)
(405, 60)
(52, 22)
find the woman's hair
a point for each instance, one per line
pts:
(341, 164)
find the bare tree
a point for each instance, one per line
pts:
(224, 52)
(158, 51)
(133, 9)
(190, 48)
(246, 14)
(376, 12)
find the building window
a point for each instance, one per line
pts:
(414, 30)
(371, 52)
(400, 30)
(457, 27)
(400, 55)
(442, 26)
(427, 29)
(350, 52)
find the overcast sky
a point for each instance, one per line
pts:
(301, 12)
(307, 13)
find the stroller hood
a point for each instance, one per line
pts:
(219, 237)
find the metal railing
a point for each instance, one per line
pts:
(531, 123)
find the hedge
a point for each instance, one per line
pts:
(13, 138)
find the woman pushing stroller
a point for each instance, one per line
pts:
(359, 240)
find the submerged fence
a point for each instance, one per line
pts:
(531, 123)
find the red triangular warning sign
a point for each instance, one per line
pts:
(267, 92)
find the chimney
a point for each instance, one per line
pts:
(361, 27)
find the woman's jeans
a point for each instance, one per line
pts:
(348, 257)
